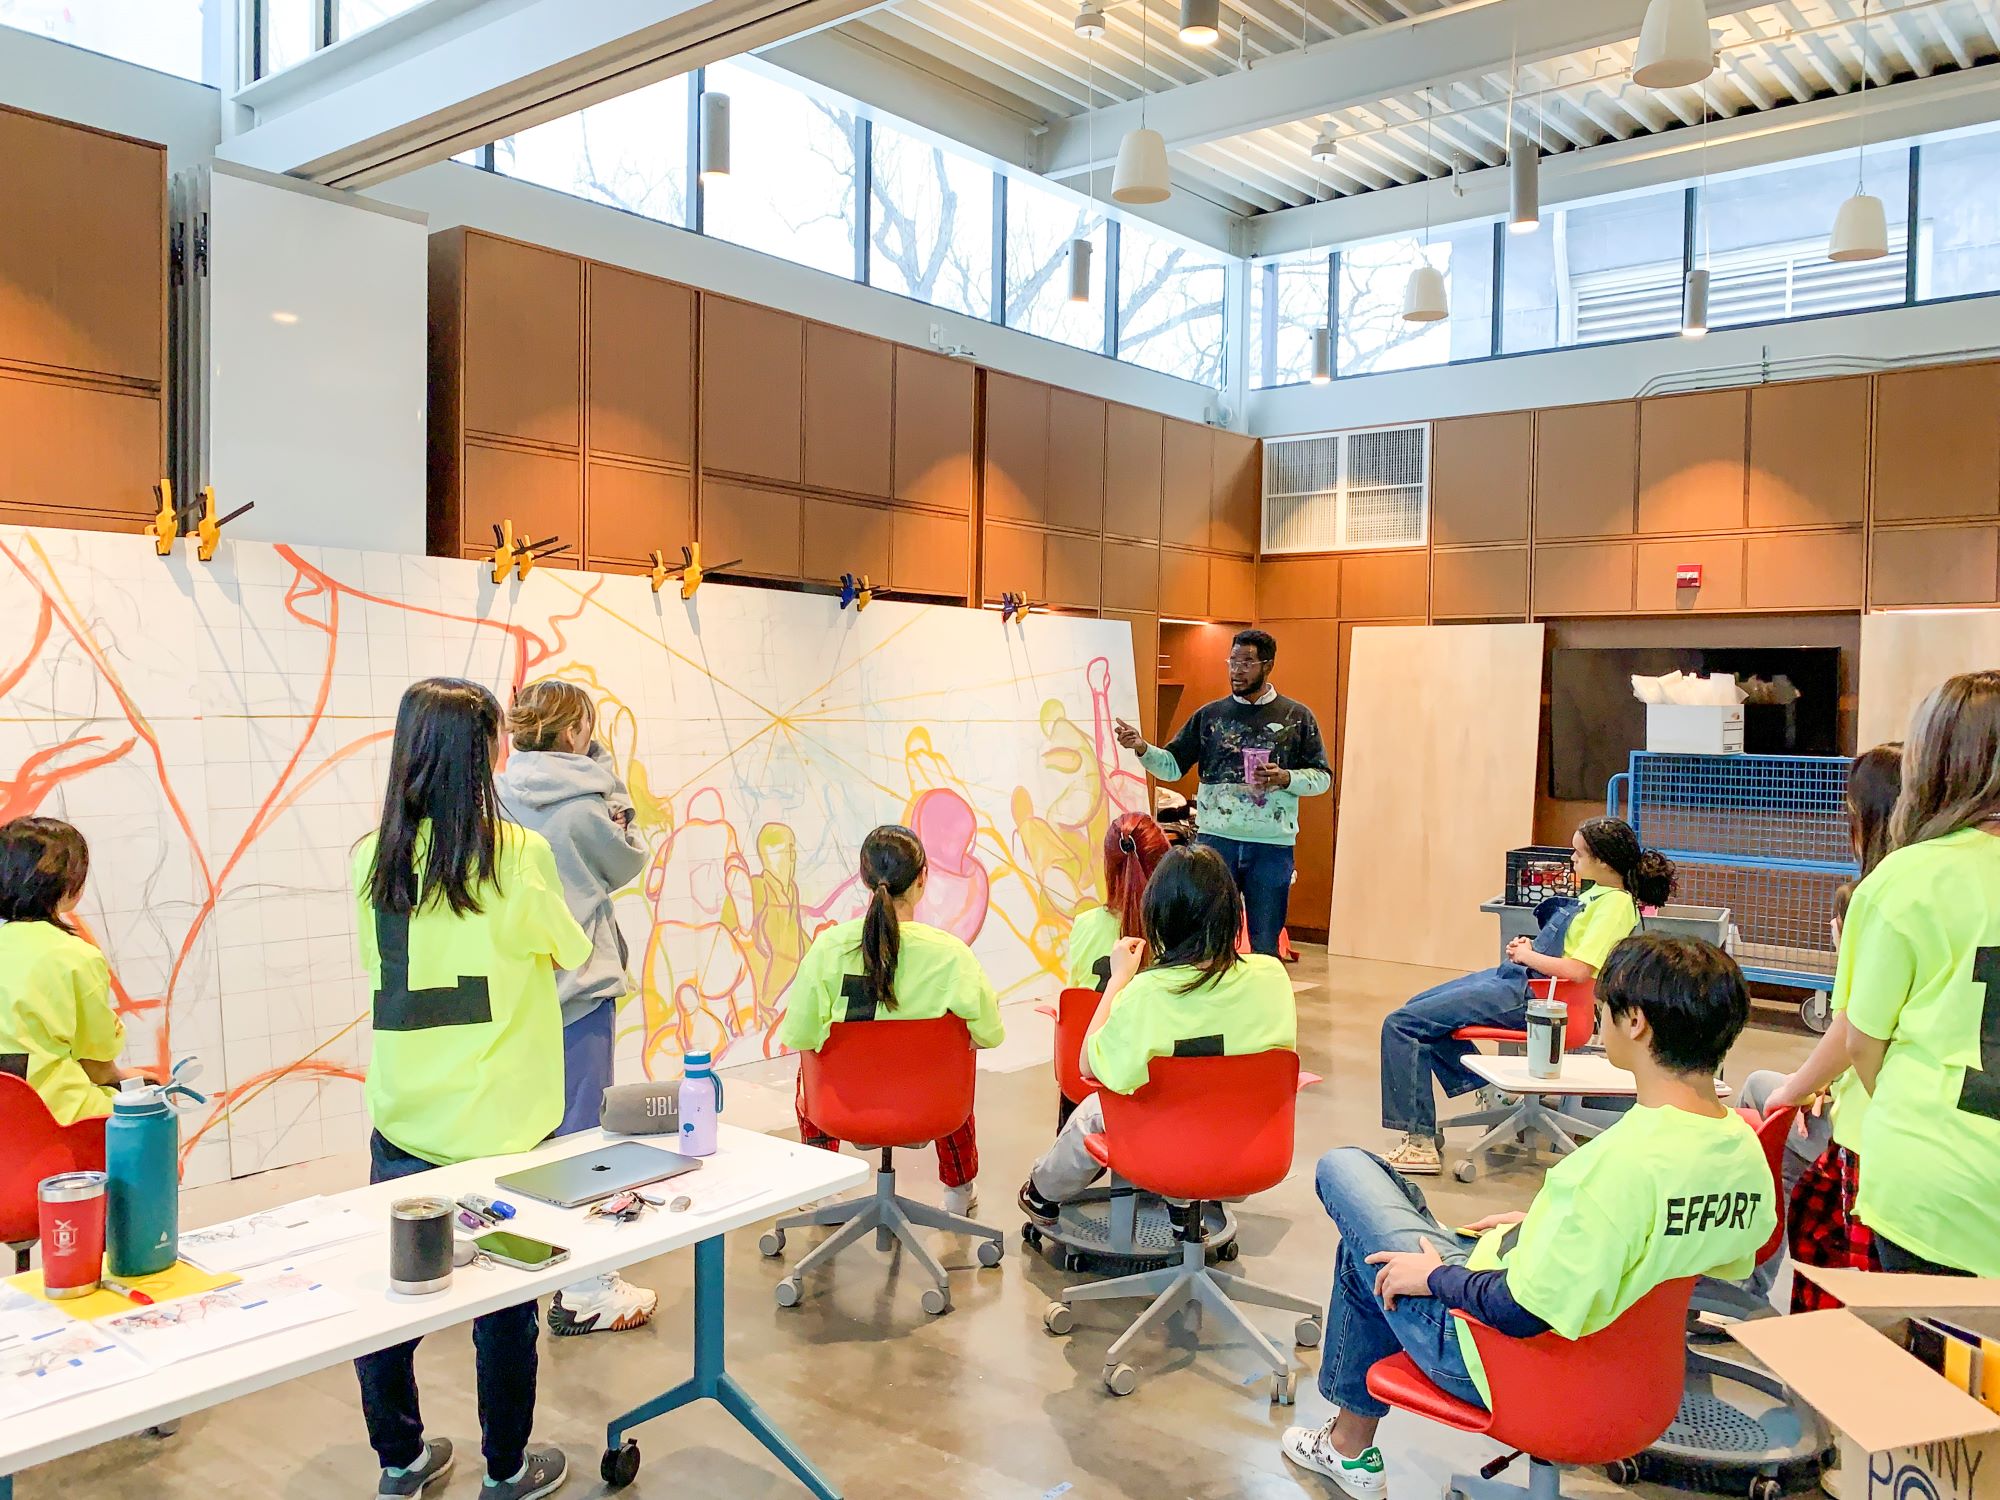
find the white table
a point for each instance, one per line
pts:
(750, 1178)
(1584, 1075)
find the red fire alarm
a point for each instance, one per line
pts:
(1687, 576)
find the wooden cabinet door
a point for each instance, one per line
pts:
(934, 402)
(540, 492)
(1017, 449)
(1187, 459)
(930, 554)
(1076, 461)
(1234, 521)
(1809, 453)
(846, 539)
(1937, 443)
(1482, 470)
(1586, 468)
(523, 342)
(752, 390)
(629, 512)
(759, 526)
(1133, 441)
(641, 375)
(1691, 461)
(850, 382)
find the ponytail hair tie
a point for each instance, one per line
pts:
(1126, 842)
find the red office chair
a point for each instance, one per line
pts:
(1202, 1129)
(1075, 1009)
(1511, 1124)
(883, 1084)
(37, 1147)
(1594, 1400)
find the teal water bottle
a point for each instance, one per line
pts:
(142, 1142)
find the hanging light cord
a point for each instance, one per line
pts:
(1861, 110)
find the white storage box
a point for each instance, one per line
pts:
(1694, 728)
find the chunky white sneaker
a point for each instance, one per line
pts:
(962, 1200)
(1416, 1157)
(603, 1304)
(1312, 1448)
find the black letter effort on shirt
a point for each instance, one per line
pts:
(1979, 1090)
(854, 992)
(400, 1008)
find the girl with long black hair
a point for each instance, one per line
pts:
(1616, 877)
(462, 927)
(890, 967)
(1182, 990)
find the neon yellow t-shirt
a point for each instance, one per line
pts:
(1249, 1009)
(1092, 936)
(1607, 919)
(1664, 1193)
(1921, 970)
(55, 1015)
(468, 1031)
(1847, 1100)
(936, 975)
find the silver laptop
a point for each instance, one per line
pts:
(590, 1176)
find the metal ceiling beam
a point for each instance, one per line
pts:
(1403, 57)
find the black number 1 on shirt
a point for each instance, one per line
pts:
(1979, 1093)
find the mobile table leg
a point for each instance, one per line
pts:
(710, 1381)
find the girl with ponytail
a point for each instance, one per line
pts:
(1615, 876)
(1134, 845)
(887, 966)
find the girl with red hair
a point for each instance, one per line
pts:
(1133, 846)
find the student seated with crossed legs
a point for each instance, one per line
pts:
(890, 967)
(1200, 998)
(1678, 1187)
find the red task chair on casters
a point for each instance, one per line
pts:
(37, 1147)
(1510, 1124)
(879, 1085)
(1200, 1130)
(1594, 1400)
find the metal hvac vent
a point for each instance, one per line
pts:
(1340, 491)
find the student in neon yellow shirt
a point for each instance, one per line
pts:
(57, 1028)
(1134, 845)
(462, 928)
(1678, 1187)
(890, 967)
(1199, 998)
(1920, 974)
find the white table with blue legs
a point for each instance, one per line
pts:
(751, 1178)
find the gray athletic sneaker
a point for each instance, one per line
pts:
(542, 1474)
(435, 1464)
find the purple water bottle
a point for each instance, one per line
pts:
(701, 1105)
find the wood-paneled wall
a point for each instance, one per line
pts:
(83, 325)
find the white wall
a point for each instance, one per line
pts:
(53, 78)
(1611, 371)
(452, 193)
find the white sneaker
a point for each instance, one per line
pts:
(1312, 1448)
(962, 1200)
(603, 1304)
(1416, 1157)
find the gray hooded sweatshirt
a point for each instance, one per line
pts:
(569, 800)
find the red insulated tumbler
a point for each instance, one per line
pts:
(72, 1207)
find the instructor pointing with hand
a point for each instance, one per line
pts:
(1259, 752)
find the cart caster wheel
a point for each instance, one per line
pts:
(1058, 1318)
(1229, 1251)
(1624, 1471)
(620, 1466)
(990, 1253)
(1307, 1334)
(1031, 1236)
(935, 1301)
(1817, 1013)
(771, 1243)
(1764, 1487)
(1285, 1388)
(1121, 1380)
(1061, 1259)
(788, 1292)
(1466, 1171)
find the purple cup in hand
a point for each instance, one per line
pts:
(1253, 762)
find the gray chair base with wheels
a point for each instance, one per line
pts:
(893, 1220)
(1515, 1124)
(1117, 1228)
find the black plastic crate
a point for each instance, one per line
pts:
(1538, 872)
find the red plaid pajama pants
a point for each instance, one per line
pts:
(957, 1153)
(1822, 1230)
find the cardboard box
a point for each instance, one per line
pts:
(1906, 1432)
(1694, 728)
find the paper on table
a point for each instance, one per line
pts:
(268, 1303)
(282, 1233)
(23, 1316)
(71, 1359)
(178, 1280)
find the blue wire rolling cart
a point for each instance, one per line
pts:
(1765, 836)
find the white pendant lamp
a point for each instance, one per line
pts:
(714, 135)
(1424, 298)
(1079, 270)
(1675, 48)
(1325, 148)
(1524, 185)
(1141, 174)
(1322, 355)
(1089, 21)
(1694, 305)
(1201, 22)
(1860, 230)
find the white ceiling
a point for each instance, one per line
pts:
(1024, 56)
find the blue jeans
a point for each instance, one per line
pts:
(1376, 1210)
(588, 1045)
(1264, 875)
(1417, 1043)
(503, 1345)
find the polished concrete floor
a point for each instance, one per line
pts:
(892, 1403)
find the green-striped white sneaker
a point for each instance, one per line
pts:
(1312, 1448)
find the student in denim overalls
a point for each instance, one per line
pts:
(1576, 934)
